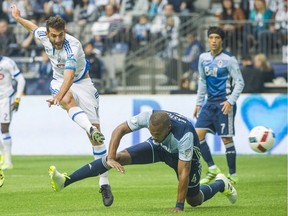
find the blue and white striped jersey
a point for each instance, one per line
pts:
(219, 77)
(71, 56)
(182, 138)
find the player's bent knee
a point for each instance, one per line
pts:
(123, 157)
(196, 200)
(68, 101)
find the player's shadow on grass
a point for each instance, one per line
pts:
(209, 208)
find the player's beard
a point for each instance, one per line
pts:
(57, 46)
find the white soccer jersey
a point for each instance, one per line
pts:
(8, 72)
(71, 56)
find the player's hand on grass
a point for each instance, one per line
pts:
(226, 107)
(114, 164)
(175, 210)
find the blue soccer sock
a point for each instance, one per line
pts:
(209, 190)
(92, 169)
(231, 157)
(206, 154)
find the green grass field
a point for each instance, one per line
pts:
(143, 190)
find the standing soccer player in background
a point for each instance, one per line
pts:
(71, 86)
(220, 77)
(9, 102)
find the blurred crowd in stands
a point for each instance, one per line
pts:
(111, 29)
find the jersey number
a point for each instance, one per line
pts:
(6, 117)
(222, 127)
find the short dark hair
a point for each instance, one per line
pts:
(216, 30)
(159, 118)
(55, 22)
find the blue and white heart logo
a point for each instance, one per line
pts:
(256, 111)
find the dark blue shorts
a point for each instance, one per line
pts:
(212, 119)
(146, 153)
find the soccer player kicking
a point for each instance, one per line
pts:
(221, 78)
(71, 86)
(9, 102)
(173, 141)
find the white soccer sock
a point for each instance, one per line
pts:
(7, 144)
(80, 117)
(101, 152)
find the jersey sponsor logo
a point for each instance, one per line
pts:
(2, 76)
(60, 65)
(211, 72)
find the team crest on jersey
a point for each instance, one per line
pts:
(220, 63)
(71, 63)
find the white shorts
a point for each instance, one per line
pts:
(6, 109)
(85, 95)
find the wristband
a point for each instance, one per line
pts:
(180, 205)
(17, 100)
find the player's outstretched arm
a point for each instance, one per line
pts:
(183, 178)
(25, 23)
(116, 137)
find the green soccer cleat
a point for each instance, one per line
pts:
(57, 179)
(210, 176)
(229, 191)
(96, 135)
(1, 178)
(233, 179)
(6, 166)
(107, 195)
